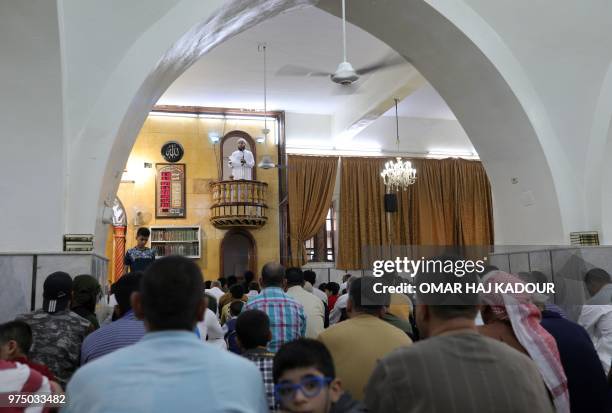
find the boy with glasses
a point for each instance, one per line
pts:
(305, 380)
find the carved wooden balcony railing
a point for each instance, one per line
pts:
(239, 204)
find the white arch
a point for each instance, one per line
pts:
(488, 92)
(151, 64)
(598, 174)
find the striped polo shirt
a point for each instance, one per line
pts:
(118, 334)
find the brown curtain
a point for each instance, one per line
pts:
(362, 221)
(449, 204)
(311, 182)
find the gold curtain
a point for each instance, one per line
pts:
(449, 204)
(362, 221)
(310, 189)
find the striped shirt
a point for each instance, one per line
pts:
(118, 334)
(17, 377)
(287, 319)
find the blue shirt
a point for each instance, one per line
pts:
(287, 318)
(118, 334)
(167, 371)
(139, 259)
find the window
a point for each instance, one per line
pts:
(320, 248)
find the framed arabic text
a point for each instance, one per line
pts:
(170, 191)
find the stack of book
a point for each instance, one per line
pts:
(78, 242)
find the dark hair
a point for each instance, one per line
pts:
(597, 276)
(303, 353)
(171, 292)
(124, 287)
(235, 308)
(294, 276)
(253, 329)
(144, 232)
(345, 277)
(19, 331)
(363, 297)
(272, 274)
(207, 284)
(323, 287)
(231, 280)
(236, 291)
(248, 276)
(310, 276)
(254, 285)
(448, 305)
(223, 281)
(334, 287)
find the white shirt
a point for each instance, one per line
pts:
(252, 294)
(336, 312)
(309, 287)
(596, 318)
(240, 171)
(313, 310)
(215, 292)
(212, 328)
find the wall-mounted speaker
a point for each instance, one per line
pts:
(390, 203)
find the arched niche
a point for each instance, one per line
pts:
(228, 144)
(238, 253)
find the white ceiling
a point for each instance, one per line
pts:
(232, 74)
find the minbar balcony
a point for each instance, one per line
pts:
(239, 204)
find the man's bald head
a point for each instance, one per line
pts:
(272, 274)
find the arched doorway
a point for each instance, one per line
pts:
(238, 253)
(504, 120)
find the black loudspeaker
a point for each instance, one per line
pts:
(390, 203)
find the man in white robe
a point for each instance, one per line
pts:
(241, 162)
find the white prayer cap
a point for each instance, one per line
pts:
(242, 140)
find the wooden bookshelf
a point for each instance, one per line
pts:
(176, 240)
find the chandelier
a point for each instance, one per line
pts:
(398, 174)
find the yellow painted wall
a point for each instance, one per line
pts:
(201, 163)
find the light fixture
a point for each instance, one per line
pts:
(398, 174)
(266, 162)
(260, 139)
(442, 153)
(265, 130)
(174, 114)
(214, 137)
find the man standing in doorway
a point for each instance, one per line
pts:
(241, 161)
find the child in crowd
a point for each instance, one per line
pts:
(305, 380)
(254, 289)
(332, 289)
(139, 257)
(237, 294)
(230, 337)
(253, 333)
(15, 343)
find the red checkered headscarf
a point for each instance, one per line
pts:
(525, 318)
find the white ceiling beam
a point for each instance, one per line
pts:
(376, 96)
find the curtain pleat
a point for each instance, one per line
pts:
(310, 189)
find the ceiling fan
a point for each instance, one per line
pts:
(345, 74)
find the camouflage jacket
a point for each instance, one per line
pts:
(56, 340)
